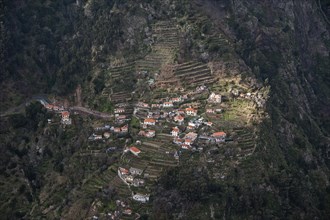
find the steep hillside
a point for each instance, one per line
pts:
(269, 60)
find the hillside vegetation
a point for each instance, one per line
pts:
(268, 59)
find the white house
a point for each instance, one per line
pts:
(135, 171)
(179, 118)
(175, 131)
(134, 150)
(191, 111)
(119, 110)
(150, 133)
(214, 98)
(168, 104)
(141, 198)
(66, 118)
(149, 121)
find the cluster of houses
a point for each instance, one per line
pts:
(65, 115)
(132, 177)
(122, 208)
(107, 130)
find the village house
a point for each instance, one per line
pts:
(155, 105)
(122, 171)
(142, 104)
(138, 182)
(189, 127)
(176, 99)
(193, 124)
(191, 135)
(119, 110)
(214, 98)
(188, 142)
(179, 119)
(175, 131)
(127, 212)
(185, 146)
(134, 150)
(128, 179)
(116, 130)
(180, 112)
(124, 129)
(176, 155)
(49, 106)
(106, 135)
(142, 133)
(150, 133)
(94, 137)
(56, 108)
(168, 104)
(149, 121)
(209, 123)
(66, 117)
(135, 171)
(121, 117)
(209, 110)
(191, 111)
(141, 198)
(177, 141)
(219, 136)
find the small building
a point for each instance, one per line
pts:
(149, 121)
(143, 105)
(176, 99)
(127, 212)
(177, 141)
(214, 98)
(191, 135)
(209, 123)
(185, 146)
(135, 171)
(150, 133)
(209, 110)
(138, 182)
(175, 131)
(141, 198)
(122, 171)
(106, 135)
(191, 111)
(168, 104)
(179, 119)
(66, 117)
(98, 137)
(142, 133)
(188, 142)
(49, 106)
(121, 117)
(124, 129)
(119, 110)
(134, 150)
(155, 105)
(116, 130)
(219, 136)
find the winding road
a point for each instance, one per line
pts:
(44, 101)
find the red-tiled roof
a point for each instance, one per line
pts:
(149, 120)
(135, 150)
(220, 133)
(65, 114)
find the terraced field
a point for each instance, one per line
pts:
(194, 73)
(166, 42)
